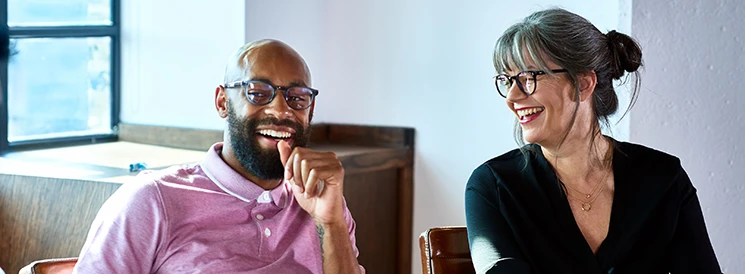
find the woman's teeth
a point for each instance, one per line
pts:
(528, 111)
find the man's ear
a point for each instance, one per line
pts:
(586, 81)
(221, 101)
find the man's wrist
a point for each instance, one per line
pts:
(334, 223)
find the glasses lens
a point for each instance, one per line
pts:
(259, 93)
(299, 97)
(527, 81)
(503, 84)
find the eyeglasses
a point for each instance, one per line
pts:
(525, 81)
(260, 93)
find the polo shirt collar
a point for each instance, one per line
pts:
(238, 186)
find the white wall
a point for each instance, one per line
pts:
(173, 57)
(694, 53)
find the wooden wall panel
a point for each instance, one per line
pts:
(372, 199)
(45, 218)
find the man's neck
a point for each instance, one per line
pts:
(229, 158)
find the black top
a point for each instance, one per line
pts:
(519, 219)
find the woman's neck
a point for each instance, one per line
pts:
(579, 159)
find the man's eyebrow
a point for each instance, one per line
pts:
(261, 79)
(298, 84)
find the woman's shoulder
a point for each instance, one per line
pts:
(511, 160)
(507, 165)
(646, 158)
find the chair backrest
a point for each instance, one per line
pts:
(50, 266)
(445, 250)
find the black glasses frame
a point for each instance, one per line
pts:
(513, 79)
(244, 86)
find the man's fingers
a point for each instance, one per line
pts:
(309, 169)
(305, 167)
(320, 176)
(311, 184)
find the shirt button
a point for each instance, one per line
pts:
(266, 196)
(267, 232)
(259, 217)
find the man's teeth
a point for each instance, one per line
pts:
(275, 134)
(528, 111)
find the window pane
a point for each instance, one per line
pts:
(59, 87)
(59, 12)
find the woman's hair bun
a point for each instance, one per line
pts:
(626, 54)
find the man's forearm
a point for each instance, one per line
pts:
(336, 249)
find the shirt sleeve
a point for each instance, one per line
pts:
(127, 232)
(691, 250)
(352, 226)
(493, 246)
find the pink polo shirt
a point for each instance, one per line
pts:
(202, 218)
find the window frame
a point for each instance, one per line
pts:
(112, 31)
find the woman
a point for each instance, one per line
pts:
(573, 200)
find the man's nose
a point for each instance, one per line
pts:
(279, 108)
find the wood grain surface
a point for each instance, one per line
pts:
(45, 217)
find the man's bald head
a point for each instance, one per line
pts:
(267, 54)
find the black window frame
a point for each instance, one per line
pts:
(113, 31)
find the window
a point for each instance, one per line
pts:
(62, 83)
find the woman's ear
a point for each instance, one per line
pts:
(586, 81)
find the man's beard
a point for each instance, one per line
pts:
(263, 163)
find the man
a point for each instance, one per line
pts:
(259, 203)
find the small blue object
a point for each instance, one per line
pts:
(137, 167)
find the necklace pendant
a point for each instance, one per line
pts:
(586, 207)
(588, 196)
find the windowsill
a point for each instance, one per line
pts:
(109, 162)
(106, 162)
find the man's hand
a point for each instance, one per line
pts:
(317, 179)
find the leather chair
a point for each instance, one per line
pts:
(50, 266)
(445, 250)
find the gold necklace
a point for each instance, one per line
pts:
(587, 205)
(589, 195)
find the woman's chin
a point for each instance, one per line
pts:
(530, 136)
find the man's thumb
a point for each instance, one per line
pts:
(284, 151)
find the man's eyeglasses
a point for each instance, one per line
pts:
(260, 93)
(525, 81)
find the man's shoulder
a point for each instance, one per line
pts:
(185, 175)
(150, 185)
